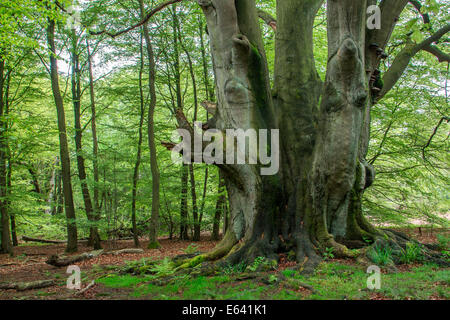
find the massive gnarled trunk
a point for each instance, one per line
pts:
(314, 202)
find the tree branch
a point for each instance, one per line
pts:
(418, 6)
(268, 19)
(150, 14)
(433, 134)
(442, 56)
(402, 60)
(390, 13)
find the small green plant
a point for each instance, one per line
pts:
(412, 253)
(191, 249)
(233, 269)
(443, 241)
(367, 240)
(273, 278)
(381, 255)
(164, 268)
(329, 253)
(256, 263)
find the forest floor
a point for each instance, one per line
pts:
(334, 278)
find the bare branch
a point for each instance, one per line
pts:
(433, 134)
(402, 60)
(268, 19)
(418, 6)
(442, 56)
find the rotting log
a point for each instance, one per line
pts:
(23, 286)
(62, 260)
(30, 239)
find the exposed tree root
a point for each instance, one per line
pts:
(221, 250)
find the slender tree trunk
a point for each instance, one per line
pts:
(177, 38)
(183, 203)
(15, 242)
(94, 238)
(196, 235)
(63, 145)
(59, 198)
(12, 216)
(154, 221)
(35, 179)
(96, 213)
(220, 204)
(52, 197)
(6, 246)
(139, 150)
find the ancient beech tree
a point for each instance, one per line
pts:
(314, 202)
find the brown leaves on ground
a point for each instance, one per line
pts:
(28, 264)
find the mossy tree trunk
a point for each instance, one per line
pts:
(314, 202)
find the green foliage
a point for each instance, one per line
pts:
(256, 264)
(164, 268)
(230, 269)
(412, 253)
(330, 281)
(191, 249)
(381, 255)
(329, 253)
(443, 241)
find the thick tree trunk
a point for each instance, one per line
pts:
(269, 214)
(244, 102)
(63, 145)
(314, 203)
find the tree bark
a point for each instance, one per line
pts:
(94, 238)
(220, 209)
(183, 204)
(6, 246)
(314, 202)
(96, 213)
(63, 144)
(52, 197)
(154, 221)
(139, 150)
